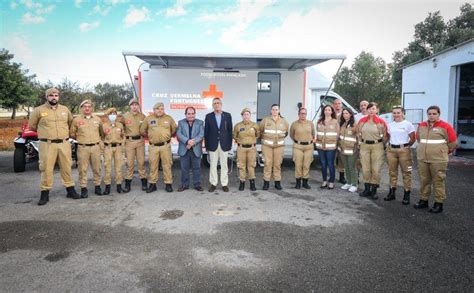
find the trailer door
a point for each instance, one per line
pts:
(268, 93)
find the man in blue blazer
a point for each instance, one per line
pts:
(218, 141)
(190, 134)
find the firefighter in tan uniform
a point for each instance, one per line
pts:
(302, 133)
(273, 130)
(87, 130)
(436, 140)
(245, 134)
(401, 137)
(134, 144)
(372, 131)
(337, 105)
(347, 146)
(159, 127)
(113, 150)
(52, 120)
(327, 131)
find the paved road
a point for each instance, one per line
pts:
(299, 241)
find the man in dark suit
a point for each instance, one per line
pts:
(190, 135)
(218, 141)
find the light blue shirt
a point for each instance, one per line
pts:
(218, 120)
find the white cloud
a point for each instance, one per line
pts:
(18, 45)
(30, 4)
(136, 15)
(102, 10)
(85, 26)
(29, 18)
(45, 10)
(209, 32)
(178, 8)
(78, 3)
(115, 2)
(13, 5)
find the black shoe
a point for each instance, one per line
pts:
(119, 188)
(277, 185)
(242, 185)
(437, 208)
(252, 185)
(266, 185)
(225, 188)
(198, 188)
(71, 193)
(144, 183)
(366, 191)
(305, 183)
(44, 197)
(422, 204)
(212, 188)
(298, 183)
(391, 194)
(373, 191)
(342, 178)
(168, 188)
(151, 188)
(97, 190)
(107, 189)
(128, 182)
(84, 192)
(182, 188)
(406, 197)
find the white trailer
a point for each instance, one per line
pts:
(253, 81)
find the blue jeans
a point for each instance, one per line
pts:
(327, 158)
(188, 161)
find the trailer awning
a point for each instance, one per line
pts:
(231, 62)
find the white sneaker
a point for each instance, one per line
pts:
(353, 189)
(345, 186)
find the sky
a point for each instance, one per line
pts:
(83, 40)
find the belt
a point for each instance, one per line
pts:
(52, 140)
(134, 137)
(372, 141)
(246, 145)
(161, 143)
(88, 144)
(303, 142)
(112, 144)
(397, 146)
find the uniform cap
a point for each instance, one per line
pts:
(87, 101)
(133, 101)
(245, 110)
(110, 111)
(52, 90)
(157, 105)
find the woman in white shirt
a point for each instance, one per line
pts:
(401, 137)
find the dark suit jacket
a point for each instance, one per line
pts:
(213, 136)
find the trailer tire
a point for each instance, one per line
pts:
(19, 160)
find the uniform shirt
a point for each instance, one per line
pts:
(326, 135)
(132, 122)
(273, 132)
(302, 131)
(400, 132)
(51, 123)
(87, 129)
(347, 139)
(246, 132)
(371, 129)
(113, 132)
(158, 129)
(434, 141)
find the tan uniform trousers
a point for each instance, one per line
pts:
(302, 157)
(246, 161)
(400, 157)
(372, 158)
(273, 157)
(114, 154)
(86, 154)
(49, 154)
(135, 149)
(432, 174)
(163, 154)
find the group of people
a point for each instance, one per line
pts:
(344, 141)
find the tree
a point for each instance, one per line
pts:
(16, 87)
(112, 95)
(461, 28)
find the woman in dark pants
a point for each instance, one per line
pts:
(326, 144)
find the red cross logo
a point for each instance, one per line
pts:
(212, 92)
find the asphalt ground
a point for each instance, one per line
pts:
(285, 241)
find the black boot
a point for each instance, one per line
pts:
(119, 188)
(126, 189)
(151, 188)
(391, 194)
(277, 185)
(342, 178)
(71, 193)
(44, 197)
(305, 183)
(266, 185)
(373, 191)
(437, 208)
(144, 183)
(84, 192)
(242, 185)
(107, 189)
(169, 188)
(406, 197)
(97, 190)
(422, 204)
(366, 191)
(252, 185)
(298, 183)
